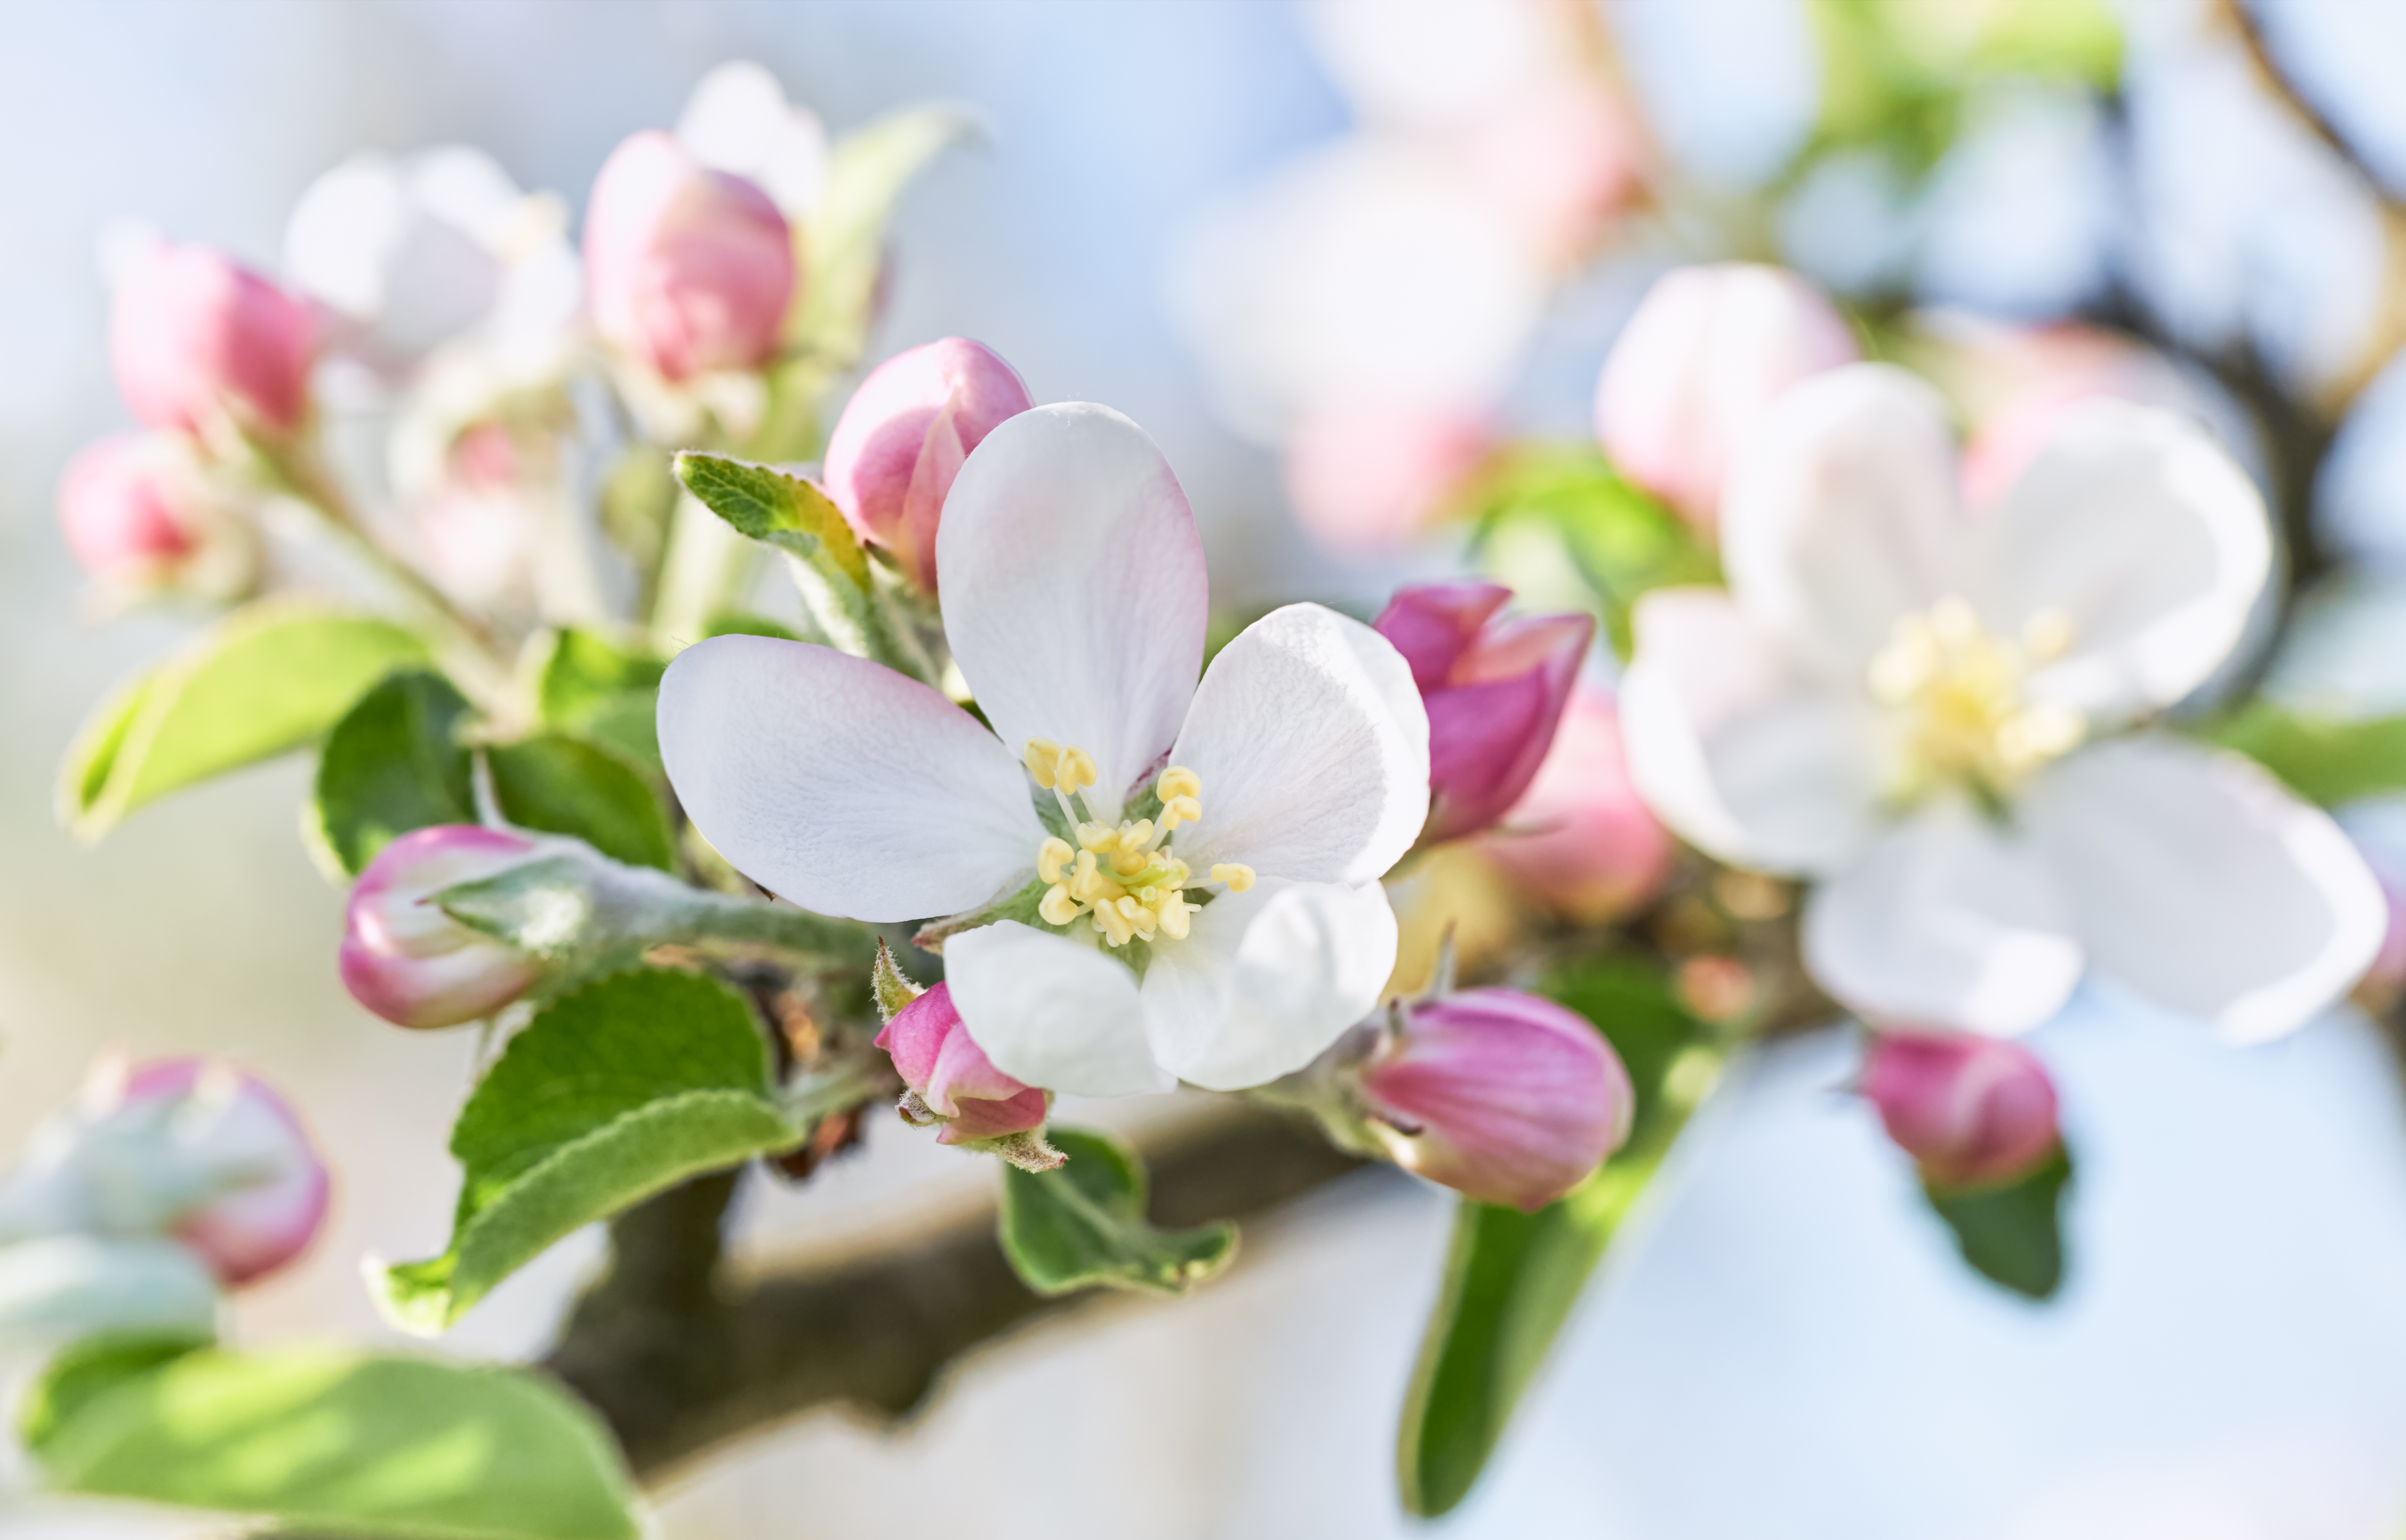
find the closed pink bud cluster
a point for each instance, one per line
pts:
(1500, 1095)
(196, 338)
(268, 1220)
(134, 510)
(895, 452)
(1583, 841)
(405, 959)
(689, 269)
(1366, 478)
(950, 1077)
(1494, 690)
(1696, 370)
(1972, 1110)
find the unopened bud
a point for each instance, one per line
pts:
(197, 339)
(139, 515)
(1494, 690)
(689, 269)
(1972, 1110)
(1500, 1095)
(951, 1080)
(1582, 841)
(1697, 369)
(898, 445)
(405, 959)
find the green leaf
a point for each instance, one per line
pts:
(1082, 1223)
(393, 764)
(590, 688)
(739, 623)
(264, 680)
(1621, 542)
(84, 1371)
(342, 1441)
(1511, 1278)
(845, 244)
(628, 1086)
(2326, 761)
(2012, 1234)
(559, 785)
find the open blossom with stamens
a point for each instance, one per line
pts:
(1193, 867)
(1926, 712)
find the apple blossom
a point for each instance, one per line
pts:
(1500, 1095)
(405, 959)
(1695, 372)
(197, 339)
(900, 444)
(689, 269)
(139, 514)
(1494, 690)
(1191, 869)
(1970, 1111)
(951, 1080)
(1924, 712)
(1582, 841)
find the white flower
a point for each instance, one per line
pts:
(1226, 939)
(1924, 711)
(738, 119)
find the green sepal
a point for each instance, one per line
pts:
(1081, 1225)
(892, 986)
(394, 763)
(2012, 1234)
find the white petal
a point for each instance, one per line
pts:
(2142, 531)
(1053, 1012)
(1732, 752)
(1313, 746)
(841, 784)
(2199, 881)
(1268, 979)
(1950, 920)
(1841, 516)
(1074, 593)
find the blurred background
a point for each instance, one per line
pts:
(1169, 215)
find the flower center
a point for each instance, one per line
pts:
(1124, 875)
(1959, 692)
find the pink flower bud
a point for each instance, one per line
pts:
(274, 1205)
(196, 338)
(1500, 1095)
(132, 509)
(1697, 368)
(951, 1077)
(1970, 1111)
(1495, 691)
(689, 269)
(1365, 479)
(1582, 841)
(891, 461)
(405, 959)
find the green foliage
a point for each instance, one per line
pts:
(89, 1368)
(561, 785)
(2323, 759)
(1510, 1278)
(738, 623)
(625, 1087)
(845, 244)
(2012, 1234)
(1082, 1223)
(590, 688)
(1621, 542)
(264, 680)
(393, 764)
(340, 1441)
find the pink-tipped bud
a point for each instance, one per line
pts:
(197, 339)
(898, 445)
(1970, 1111)
(409, 962)
(275, 1200)
(1583, 841)
(1494, 689)
(137, 514)
(1697, 369)
(951, 1079)
(1366, 479)
(1500, 1095)
(689, 269)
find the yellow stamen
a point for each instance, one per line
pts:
(1058, 907)
(1050, 856)
(1959, 696)
(1125, 876)
(1181, 809)
(1177, 782)
(1077, 769)
(1238, 876)
(1043, 759)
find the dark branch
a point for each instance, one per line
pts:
(676, 1359)
(2276, 79)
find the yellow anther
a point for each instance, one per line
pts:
(1113, 925)
(1049, 858)
(1043, 759)
(2048, 635)
(1175, 916)
(1135, 837)
(1138, 915)
(1077, 769)
(1181, 809)
(1961, 703)
(1098, 838)
(1238, 876)
(1058, 907)
(1127, 863)
(1177, 782)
